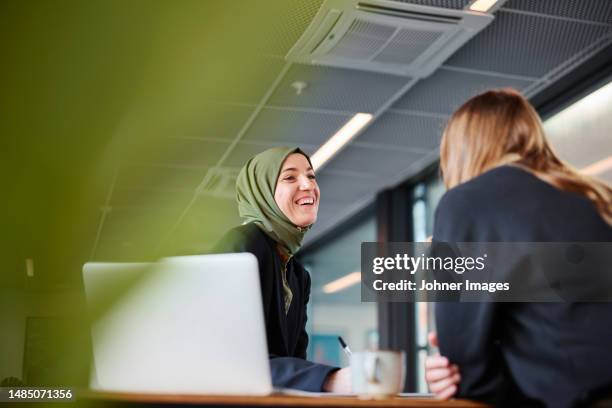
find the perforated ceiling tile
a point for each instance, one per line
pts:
(294, 127)
(292, 17)
(213, 121)
(203, 226)
(446, 90)
(149, 198)
(375, 162)
(336, 89)
(237, 78)
(404, 130)
(592, 10)
(245, 150)
(452, 4)
(526, 45)
(345, 188)
(210, 208)
(158, 177)
(132, 233)
(138, 221)
(192, 152)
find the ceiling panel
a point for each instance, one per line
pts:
(404, 131)
(131, 234)
(189, 152)
(592, 10)
(527, 45)
(292, 19)
(402, 141)
(158, 177)
(203, 226)
(212, 121)
(293, 127)
(452, 4)
(446, 90)
(345, 188)
(336, 89)
(239, 85)
(383, 162)
(245, 150)
(143, 223)
(150, 198)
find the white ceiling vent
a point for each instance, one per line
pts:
(385, 36)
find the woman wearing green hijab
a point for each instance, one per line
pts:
(278, 197)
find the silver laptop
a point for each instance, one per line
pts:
(184, 325)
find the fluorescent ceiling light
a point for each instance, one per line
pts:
(342, 137)
(30, 268)
(342, 283)
(482, 5)
(599, 167)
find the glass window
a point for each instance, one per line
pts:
(425, 199)
(335, 307)
(580, 133)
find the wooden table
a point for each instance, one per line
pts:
(117, 399)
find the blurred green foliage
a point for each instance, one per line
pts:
(88, 86)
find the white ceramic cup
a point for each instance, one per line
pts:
(378, 374)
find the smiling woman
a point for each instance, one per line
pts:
(278, 197)
(297, 193)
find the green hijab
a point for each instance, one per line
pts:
(255, 188)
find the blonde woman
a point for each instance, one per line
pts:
(507, 184)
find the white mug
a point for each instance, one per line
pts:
(378, 374)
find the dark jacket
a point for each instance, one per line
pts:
(520, 354)
(286, 334)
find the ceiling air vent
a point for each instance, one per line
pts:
(385, 36)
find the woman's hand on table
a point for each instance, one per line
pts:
(339, 381)
(442, 377)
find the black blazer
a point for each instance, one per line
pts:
(286, 334)
(519, 354)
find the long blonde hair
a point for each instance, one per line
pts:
(500, 127)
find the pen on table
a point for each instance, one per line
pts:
(346, 348)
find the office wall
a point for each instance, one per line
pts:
(12, 324)
(67, 307)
